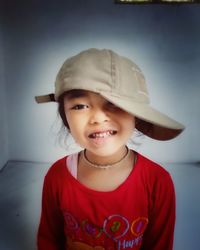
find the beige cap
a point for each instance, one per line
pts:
(120, 81)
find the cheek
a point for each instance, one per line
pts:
(74, 131)
(75, 126)
(129, 127)
(130, 123)
(69, 121)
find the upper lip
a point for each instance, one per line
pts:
(101, 131)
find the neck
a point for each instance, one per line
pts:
(109, 164)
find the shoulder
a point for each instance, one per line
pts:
(156, 179)
(57, 166)
(57, 171)
(153, 171)
(151, 166)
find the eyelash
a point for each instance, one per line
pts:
(79, 106)
(109, 106)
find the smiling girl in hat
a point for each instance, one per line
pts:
(107, 196)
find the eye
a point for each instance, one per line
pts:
(80, 106)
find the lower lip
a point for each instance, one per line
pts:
(100, 141)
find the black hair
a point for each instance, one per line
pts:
(61, 110)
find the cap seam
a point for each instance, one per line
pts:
(114, 84)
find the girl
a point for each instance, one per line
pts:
(107, 196)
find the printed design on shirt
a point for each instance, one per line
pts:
(116, 230)
(115, 226)
(91, 230)
(138, 226)
(70, 221)
(75, 245)
(129, 244)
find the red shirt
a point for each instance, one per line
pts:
(139, 214)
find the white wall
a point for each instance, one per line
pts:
(163, 40)
(3, 114)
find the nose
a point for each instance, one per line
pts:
(98, 116)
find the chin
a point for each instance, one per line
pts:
(104, 151)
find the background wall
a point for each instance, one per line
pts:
(164, 40)
(3, 114)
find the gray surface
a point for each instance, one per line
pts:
(20, 195)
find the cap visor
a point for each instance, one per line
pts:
(160, 126)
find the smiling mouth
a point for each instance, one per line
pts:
(104, 134)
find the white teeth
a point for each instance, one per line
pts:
(102, 135)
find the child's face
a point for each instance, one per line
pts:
(96, 124)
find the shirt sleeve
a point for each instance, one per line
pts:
(51, 229)
(160, 231)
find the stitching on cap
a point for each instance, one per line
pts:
(113, 71)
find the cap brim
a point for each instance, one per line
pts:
(152, 122)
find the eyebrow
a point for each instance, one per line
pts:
(76, 93)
